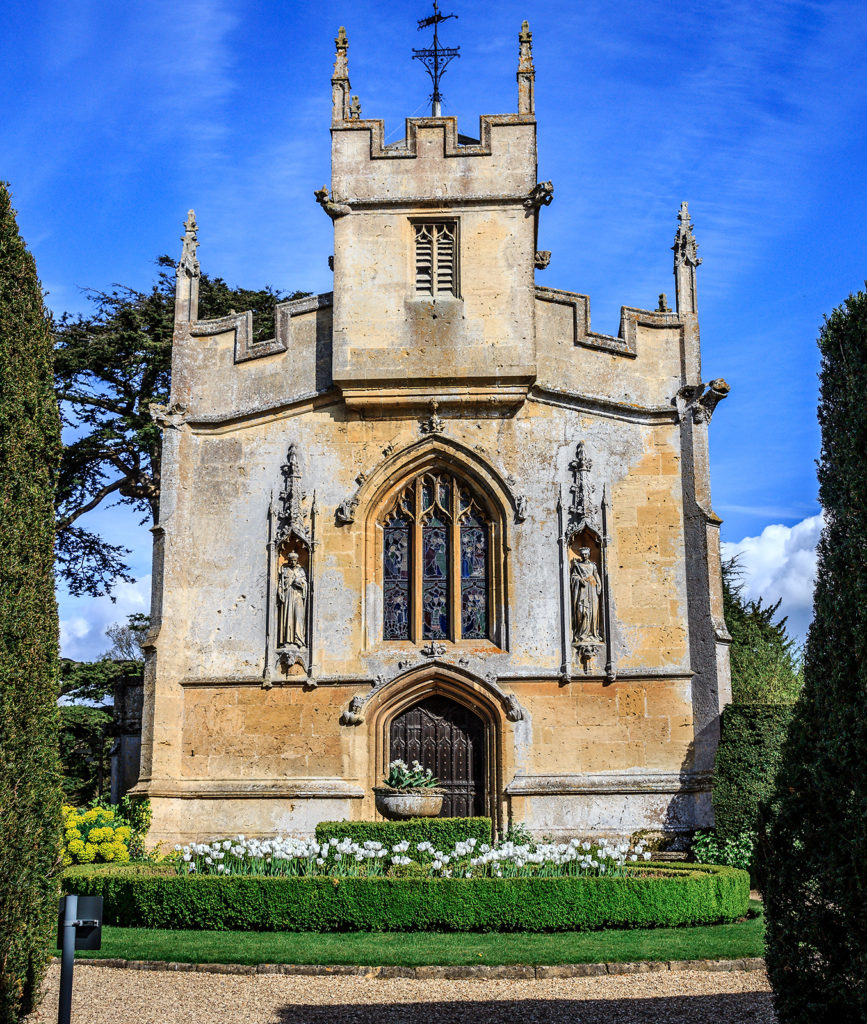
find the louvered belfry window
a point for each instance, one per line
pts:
(436, 258)
(436, 579)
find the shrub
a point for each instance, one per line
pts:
(735, 851)
(95, 835)
(442, 832)
(813, 853)
(667, 897)
(29, 767)
(747, 760)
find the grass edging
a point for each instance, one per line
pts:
(695, 895)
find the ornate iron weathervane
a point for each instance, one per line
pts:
(437, 58)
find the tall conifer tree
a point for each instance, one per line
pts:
(814, 863)
(29, 778)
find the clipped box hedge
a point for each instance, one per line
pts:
(666, 897)
(442, 832)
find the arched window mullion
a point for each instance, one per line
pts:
(455, 555)
(416, 562)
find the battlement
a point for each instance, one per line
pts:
(501, 164)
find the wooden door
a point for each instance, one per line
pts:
(450, 740)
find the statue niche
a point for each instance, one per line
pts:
(586, 574)
(585, 579)
(293, 545)
(292, 591)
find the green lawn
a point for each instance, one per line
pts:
(412, 949)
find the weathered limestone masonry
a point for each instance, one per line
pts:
(436, 516)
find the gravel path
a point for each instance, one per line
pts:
(104, 996)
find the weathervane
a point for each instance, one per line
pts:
(437, 58)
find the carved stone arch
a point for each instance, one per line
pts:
(480, 696)
(376, 492)
(448, 453)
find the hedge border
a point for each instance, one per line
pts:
(442, 832)
(696, 895)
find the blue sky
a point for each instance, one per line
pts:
(119, 117)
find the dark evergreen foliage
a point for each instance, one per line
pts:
(29, 779)
(109, 368)
(87, 726)
(814, 850)
(747, 760)
(765, 661)
(86, 739)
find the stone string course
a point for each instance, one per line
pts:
(433, 972)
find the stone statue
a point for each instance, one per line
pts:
(292, 604)
(586, 590)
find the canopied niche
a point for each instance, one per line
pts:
(291, 549)
(584, 534)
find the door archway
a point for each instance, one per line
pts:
(448, 738)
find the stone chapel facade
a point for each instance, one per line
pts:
(437, 517)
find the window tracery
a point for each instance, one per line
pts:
(436, 562)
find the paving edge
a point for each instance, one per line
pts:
(430, 973)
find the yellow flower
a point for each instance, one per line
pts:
(123, 832)
(75, 846)
(91, 815)
(73, 833)
(87, 854)
(107, 850)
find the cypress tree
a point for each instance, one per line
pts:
(29, 777)
(814, 849)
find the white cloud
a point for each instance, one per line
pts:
(780, 565)
(83, 620)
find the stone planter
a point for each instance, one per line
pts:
(408, 803)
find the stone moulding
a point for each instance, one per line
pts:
(407, 149)
(603, 407)
(242, 325)
(436, 442)
(511, 707)
(609, 783)
(243, 789)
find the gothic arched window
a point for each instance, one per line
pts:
(436, 562)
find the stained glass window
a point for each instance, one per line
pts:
(396, 559)
(474, 575)
(436, 581)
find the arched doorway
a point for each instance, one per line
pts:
(448, 738)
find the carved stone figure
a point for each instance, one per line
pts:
(292, 604)
(586, 590)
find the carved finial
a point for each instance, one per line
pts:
(188, 261)
(686, 259)
(663, 306)
(341, 65)
(583, 509)
(685, 246)
(433, 424)
(340, 80)
(526, 72)
(355, 109)
(290, 518)
(188, 273)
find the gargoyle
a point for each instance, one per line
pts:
(334, 210)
